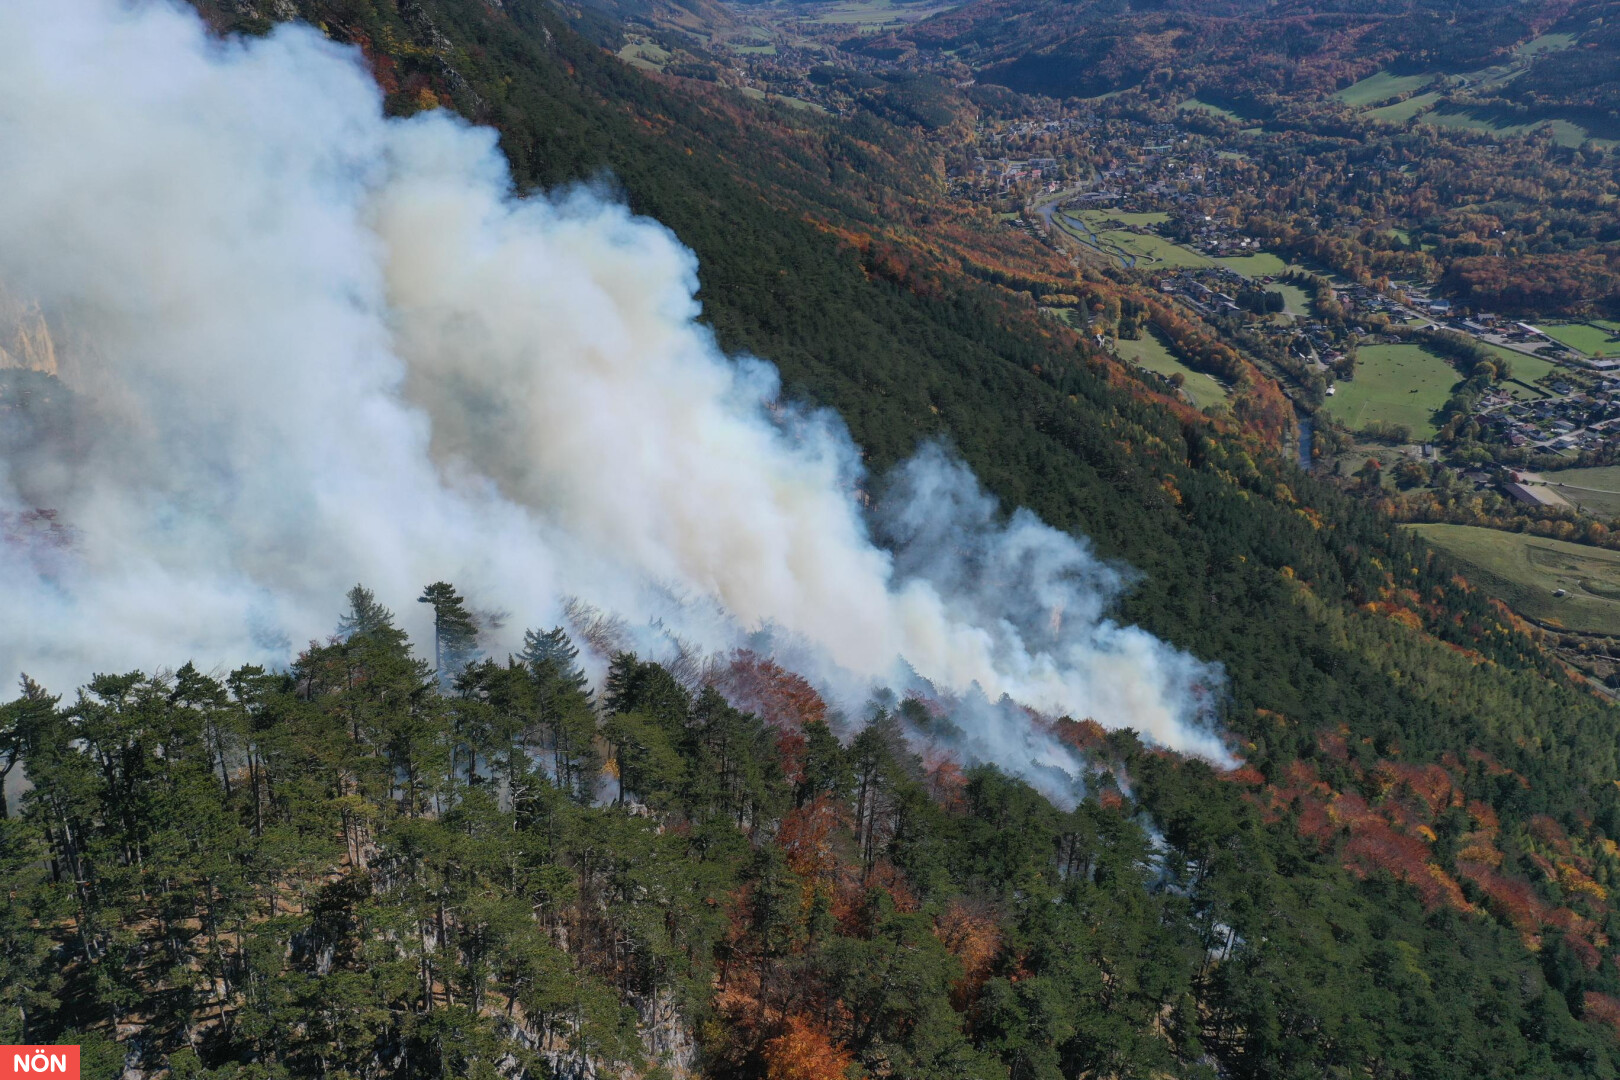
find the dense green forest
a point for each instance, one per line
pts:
(353, 867)
(349, 868)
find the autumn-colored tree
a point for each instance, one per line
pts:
(805, 1052)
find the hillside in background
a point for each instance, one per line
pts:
(1407, 876)
(1250, 51)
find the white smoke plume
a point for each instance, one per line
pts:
(320, 346)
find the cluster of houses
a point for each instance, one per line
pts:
(1205, 291)
(1574, 420)
(1366, 300)
(998, 176)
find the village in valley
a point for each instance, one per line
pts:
(1479, 423)
(1155, 198)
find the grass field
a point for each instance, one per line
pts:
(1151, 353)
(644, 55)
(1381, 87)
(1402, 111)
(1596, 490)
(873, 13)
(1564, 132)
(1113, 93)
(1259, 264)
(1546, 43)
(1584, 337)
(1154, 250)
(1297, 299)
(1129, 217)
(1146, 249)
(1194, 105)
(1157, 251)
(1395, 384)
(1525, 571)
(1525, 370)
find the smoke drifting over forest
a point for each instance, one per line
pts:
(311, 345)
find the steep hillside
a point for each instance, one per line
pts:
(346, 869)
(1238, 50)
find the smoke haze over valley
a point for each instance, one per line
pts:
(309, 345)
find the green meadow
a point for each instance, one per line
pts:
(1260, 264)
(1394, 384)
(1402, 111)
(1151, 353)
(1526, 572)
(1564, 132)
(1590, 338)
(1381, 87)
(1596, 490)
(1192, 104)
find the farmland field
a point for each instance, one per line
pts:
(1584, 337)
(1157, 251)
(1564, 132)
(1257, 265)
(1525, 368)
(1129, 217)
(1151, 353)
(1402, 111)
(1194, 105)
(1596, 489)
(1395, 384)
(1145, 249)
(644, 55)
(1297, 299)
(1524, 371)
(1381, 87)
(1525, 571)
(1546, 43)
(874, 13)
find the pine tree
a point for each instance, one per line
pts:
(553, 650)
(455, 631)
(20, 720)
(366, 617)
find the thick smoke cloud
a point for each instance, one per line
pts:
(316, 346)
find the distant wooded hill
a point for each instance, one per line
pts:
(1248, 49)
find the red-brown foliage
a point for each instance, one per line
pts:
(947, 783)
(1247, 775)
(1084, 735)
(1430, 783)
(1601, 1009)
(1528, 284)
(1334, 745)
(1483, 814)
(973, 936)
(1509, 898)
(761, 686)
(884, 875)
(807, 836)
(804, 1052)
(1375, 846)
(1549, 832)
(781, 698)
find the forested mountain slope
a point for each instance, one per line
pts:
(1408, 877)
(1245, 51)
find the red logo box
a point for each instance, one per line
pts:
(31, 1060)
